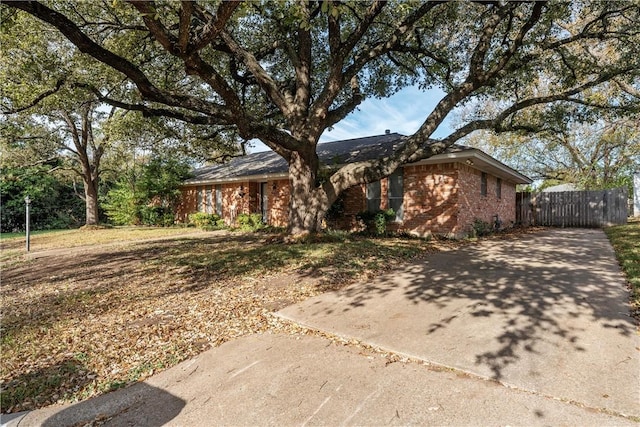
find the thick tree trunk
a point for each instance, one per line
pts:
(91, 203)
(309, 202)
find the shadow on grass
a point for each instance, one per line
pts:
(62, 300)
(86, 284)
(44, 386)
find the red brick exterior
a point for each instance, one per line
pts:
(237, 198)
(187, 204)
(446, 199)
(440, 198)
(278, 202)
(473, 205)
(430, 199)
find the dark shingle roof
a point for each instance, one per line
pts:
(268, 162)
(337, 152)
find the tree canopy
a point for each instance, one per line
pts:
(283, 72)
(591, 156)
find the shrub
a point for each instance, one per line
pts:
(250, 222)
(54, 204)
(376, 221)
(480, 228)
(156, 215)
(205, 220)
(336, 210)
(121, 205)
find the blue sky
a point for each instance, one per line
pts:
(403, 113)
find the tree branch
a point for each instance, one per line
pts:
(185, 22)
(263, 78)
(215, 24)
(88, 46)
(37, 100)
(147, 9)
(157, 112)
(339, 113)
(337, 76)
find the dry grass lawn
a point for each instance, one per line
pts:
(79, 320)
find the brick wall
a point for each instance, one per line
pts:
(473, 205)
(232, 202)
(278, 202)
(354, 201)
(430, 199)
(442, 199)
(187, 205)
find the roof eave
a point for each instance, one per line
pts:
(244, 178)
(481, 161)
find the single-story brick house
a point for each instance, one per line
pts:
(443, 194)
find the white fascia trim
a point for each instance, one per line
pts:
(265, 177)
(481, 156)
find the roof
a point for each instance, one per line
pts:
(561, 187)
(269, 165)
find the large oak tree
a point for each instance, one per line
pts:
(283, 72)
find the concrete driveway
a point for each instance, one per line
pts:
(535, 330)
(547, 313)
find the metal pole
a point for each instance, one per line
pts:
(27, 202)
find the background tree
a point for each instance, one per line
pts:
(79, 143)
(37, 70)
(285, 72)
(593, 145)
(151, 197)
(591, 156)
(54, 204)
(30, 166)
(51, 115)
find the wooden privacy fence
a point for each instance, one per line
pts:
(572, 208)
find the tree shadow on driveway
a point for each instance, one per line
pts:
(547, 313)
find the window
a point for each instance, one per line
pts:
(264, 201)
(209, 200)
(499, 188)
(483, 184)
(199, 200)
(373, 196)
(219, 199)
(396, 194)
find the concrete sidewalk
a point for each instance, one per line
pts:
(540, 323)
(285, 381)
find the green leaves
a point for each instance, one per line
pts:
(152, 197)
(53, 202)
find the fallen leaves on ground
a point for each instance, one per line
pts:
(92, 320)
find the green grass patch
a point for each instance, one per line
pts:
(625, 240)
(23, 235)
